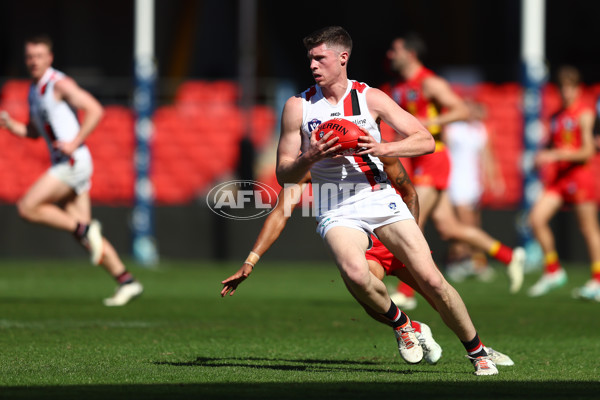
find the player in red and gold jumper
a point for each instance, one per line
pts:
(431, 99)
(570, 181)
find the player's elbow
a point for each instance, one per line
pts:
(407, 192)
(97, 110)
(280, 175)
(428, 143)
(462, 112)
(588, 153)
(283, 176)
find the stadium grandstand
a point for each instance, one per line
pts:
(196, 138)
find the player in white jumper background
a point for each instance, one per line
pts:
(473, 169)
(376, 208)
(60, 197)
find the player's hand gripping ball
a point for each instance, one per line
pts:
(347, 132)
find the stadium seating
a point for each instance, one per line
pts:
(196, 142)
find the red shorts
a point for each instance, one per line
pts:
(432, 169)
(380, 254)
(575, 185)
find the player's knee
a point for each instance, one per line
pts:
(447, 229)
(535, 221)
(446, 233)
(434, 285)
(590, 229)
(25, 209)
(356, 275)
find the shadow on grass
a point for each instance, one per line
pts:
(479, 389)
(288, 364)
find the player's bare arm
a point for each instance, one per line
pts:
(17, 128)
(492, 177)
(414, 138)
(68, 90)
(440, 92)
(269, 233)
(401, 181)
(580, 155)
(291, 168)
(289, 198)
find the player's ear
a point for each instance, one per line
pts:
(344, 56)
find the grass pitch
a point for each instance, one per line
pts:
(291, 331)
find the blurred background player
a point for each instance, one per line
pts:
(569, 180)
(60, 197)
(596, 130)
(431, 99)
(473, 170)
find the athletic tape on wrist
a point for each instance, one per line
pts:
(252, 259)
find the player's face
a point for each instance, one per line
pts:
(326, 64)
(38, 58)
(398, 55)
(569, 92)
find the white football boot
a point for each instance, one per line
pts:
(515, 269)
(499, 358)
(408, 345)
(403, 301)
(124, 294)
(458, 271)
(548, 282)
(483, 365)
(590, 291)
(432, 351)
(95, 242)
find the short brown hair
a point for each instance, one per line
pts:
(40, 39)
(332, 36)
(414, 42)
(568, 75)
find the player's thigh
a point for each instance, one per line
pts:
(428, 198)
(48, 189)
(545, 207)
(587, 217)
(406, 242)
(376, 269)
(468, 214)
(348, 247)
(79, 207)
(443, 215)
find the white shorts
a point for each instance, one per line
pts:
(77, 174)
(379, 208)
(465, 192)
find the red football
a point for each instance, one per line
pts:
(347, 132)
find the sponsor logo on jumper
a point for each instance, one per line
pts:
(313, 124)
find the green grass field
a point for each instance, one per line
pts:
(291, 331)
